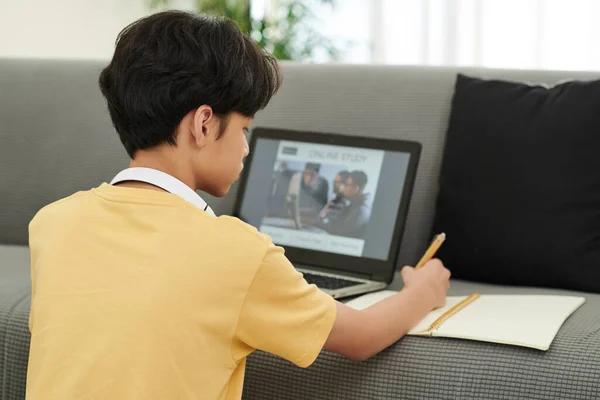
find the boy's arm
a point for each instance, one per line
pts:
(359, 335)
(282, 314)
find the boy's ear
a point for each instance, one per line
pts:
(204, 124)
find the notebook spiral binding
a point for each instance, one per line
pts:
(459, 306)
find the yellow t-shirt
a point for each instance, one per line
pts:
(137, 294)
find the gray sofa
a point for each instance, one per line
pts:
(56, 138)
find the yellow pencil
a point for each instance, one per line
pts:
(433, 247)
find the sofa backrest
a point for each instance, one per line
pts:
(56, 137)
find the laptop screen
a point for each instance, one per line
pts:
(335, 199)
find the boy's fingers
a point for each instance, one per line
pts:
(407, 272)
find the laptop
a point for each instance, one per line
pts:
(336, 203)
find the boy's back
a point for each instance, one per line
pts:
(139, 294)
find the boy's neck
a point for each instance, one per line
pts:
(167, 165)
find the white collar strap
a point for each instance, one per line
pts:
(165, 182)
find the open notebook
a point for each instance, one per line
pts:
(520, 320)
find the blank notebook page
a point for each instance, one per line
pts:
(522, 320)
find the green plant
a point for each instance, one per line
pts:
(289, 33)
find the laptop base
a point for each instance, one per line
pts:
(360, 287)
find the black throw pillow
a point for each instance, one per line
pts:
(519, 193)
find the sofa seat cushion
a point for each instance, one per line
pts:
(15, 300)
(440, 368)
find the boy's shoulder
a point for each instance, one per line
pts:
(226, 227)
(229, 237)
(238, 229)
(59, 205)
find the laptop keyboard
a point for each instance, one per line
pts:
(329, 282)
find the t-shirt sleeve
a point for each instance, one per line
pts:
(284, 315)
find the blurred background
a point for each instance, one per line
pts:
(523, 34)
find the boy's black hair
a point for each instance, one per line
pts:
(167, 64)
(359, 178)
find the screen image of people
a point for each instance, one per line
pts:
(298, 193)
(324, 194)
(330, 202)
(347, 214)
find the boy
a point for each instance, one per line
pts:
(138, 290)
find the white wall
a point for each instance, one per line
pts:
(66, 28)
(88, 28)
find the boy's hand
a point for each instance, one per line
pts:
(432, 281)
